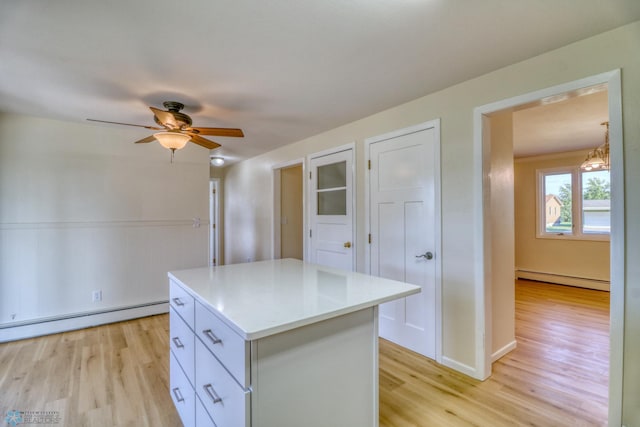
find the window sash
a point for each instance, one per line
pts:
(577, 210)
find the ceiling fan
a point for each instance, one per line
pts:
(176, 129)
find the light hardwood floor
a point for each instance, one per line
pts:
(117, 375)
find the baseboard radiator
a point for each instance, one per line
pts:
(560, 279)
(52, 325)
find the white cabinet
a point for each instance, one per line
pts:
(228, 347)
(227, 403)
(208, 395)
(181, 392)
(278, 343)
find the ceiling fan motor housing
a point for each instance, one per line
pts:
(173, 107)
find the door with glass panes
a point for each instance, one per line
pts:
(331, 210)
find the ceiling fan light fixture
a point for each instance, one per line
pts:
(172, 140)
(217, 161)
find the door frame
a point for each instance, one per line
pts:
(214, 219)
(277, 198)
(307, 218)
(482, 236)
(435, 124)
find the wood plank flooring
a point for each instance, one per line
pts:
(107, 376)
(118, 374)
(557, 375)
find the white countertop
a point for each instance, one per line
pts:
(264, 298)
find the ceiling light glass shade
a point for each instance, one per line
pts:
(172, 140)
(217, 161)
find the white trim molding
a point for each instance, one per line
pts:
(54, 325)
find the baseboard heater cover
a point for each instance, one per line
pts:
(52, 325)
(581, 282)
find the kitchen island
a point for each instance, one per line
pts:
(276, 343)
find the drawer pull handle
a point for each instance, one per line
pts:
(208, 388)
(209, 334)
(178, 302)
(177, 342)
(178, 395)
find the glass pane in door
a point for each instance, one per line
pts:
(332, 202)
(332, 175)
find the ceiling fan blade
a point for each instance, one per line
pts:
(218, 131)
(165, 117)
(126, 124)
(203, 141)
(150, 138)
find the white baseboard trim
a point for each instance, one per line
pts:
(23, 330)
(504, 350)
(460, 367)
(581, 282)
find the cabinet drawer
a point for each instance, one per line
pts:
(182, 302)
(181, 340)
(229, 347)
(227, 403)
(181, 392)
(202, 416)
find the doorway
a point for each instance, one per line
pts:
(289, 210)
(484, 272)
(214, 220)
(291, 222)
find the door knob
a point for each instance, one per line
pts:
(426, 255)
(347, 245)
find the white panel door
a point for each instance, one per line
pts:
(331, 210)
(403, 202)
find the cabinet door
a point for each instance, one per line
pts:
(182, 303)
(226, 402)
(229, 347)
(182, 393)
(202, 416)
(181, 342)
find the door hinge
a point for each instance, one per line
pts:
(213, 226)
(310, 234)
(369, 238)
(213, 261)
(369, 164)
(213, 191)
(309, 174)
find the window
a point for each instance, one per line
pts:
(574, 204)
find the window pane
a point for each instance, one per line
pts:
(332, 202)
(557, 199)
(332, 176)
(596, 203)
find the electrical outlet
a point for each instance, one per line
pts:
(96, 296)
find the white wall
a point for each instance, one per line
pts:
(82, 208)
(249, 202)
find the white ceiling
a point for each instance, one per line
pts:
(281, 70)
(570, 124)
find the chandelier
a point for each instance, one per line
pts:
(598, 158)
